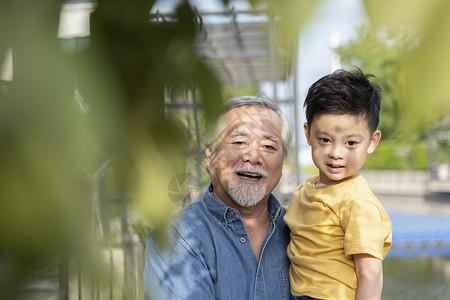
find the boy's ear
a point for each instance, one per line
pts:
(374, 140)
(307, 132)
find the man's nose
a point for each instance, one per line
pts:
(252, 154)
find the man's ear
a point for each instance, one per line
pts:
(307, 133)
(208, 154)
(374, 140)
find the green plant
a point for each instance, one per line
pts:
(393, 155)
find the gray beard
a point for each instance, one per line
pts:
(246, 194)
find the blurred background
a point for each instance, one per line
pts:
(104, 106)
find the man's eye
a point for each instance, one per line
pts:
(269, 147)
(238, 143)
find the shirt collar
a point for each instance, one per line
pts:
(219, 209)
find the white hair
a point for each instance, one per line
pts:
(286, 129)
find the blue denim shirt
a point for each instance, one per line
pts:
(209, 256)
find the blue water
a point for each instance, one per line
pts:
(419, 235)
(418, 263)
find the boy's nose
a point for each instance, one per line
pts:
(336, 153)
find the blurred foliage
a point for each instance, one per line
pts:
(408, 49)
(439, 141)
(293, 12)
(248, 89)
(427, 69)
(53, 155)
(393, 155)
(71, 118)
(384, 54)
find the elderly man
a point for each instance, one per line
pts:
(232, 243)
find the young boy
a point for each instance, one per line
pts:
(340, 233)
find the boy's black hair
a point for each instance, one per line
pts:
(345, 93)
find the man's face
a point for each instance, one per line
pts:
(246, 163)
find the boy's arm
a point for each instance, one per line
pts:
(369, 271)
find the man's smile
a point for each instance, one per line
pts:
(250, 172)
(249, 175)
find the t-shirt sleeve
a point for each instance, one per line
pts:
(364, 229)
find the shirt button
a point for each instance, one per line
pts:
(242, 239)
(231, 213)
(223, 223)
(259, 274)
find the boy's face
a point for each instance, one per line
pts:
(339, 145)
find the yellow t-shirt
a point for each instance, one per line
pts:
(327, 227)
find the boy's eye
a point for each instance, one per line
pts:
(324, 140)
(351, 143)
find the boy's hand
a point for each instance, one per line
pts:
(369, 271)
